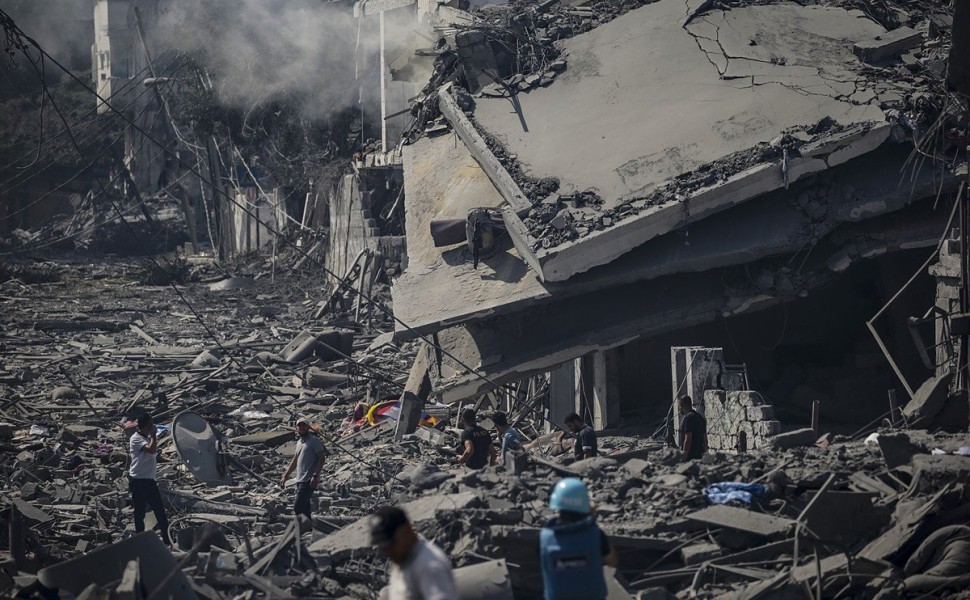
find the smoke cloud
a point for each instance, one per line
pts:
(305, 52)
(64, 28)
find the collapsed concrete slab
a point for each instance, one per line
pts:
(356, 536)
(444, 181)
(640, 69)
(575, 326)
(160, 573)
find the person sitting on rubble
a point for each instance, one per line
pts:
(693, 430)
(585, 444)
(476, 443)
(307, 460)
(143, 447)
(572, 547)
(511, 442)
(419, 569)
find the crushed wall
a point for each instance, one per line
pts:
(731, 414)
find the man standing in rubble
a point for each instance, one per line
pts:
(693, 430)
(585, 444)
(143, 447)
(419, 569)
(476, 443)
(509, 436)
(307, 461)
(572, 547)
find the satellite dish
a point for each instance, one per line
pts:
(199, 448)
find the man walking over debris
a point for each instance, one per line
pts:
(143, 447)
(572, 548)
(585, 444)
(509, 436)
(307, 461)
(693, 430)
(419, 569)
(476, 442)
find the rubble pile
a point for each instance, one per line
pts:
(841, 515)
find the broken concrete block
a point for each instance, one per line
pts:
(795, 439)
(107, 564)
(484, 581)
(932, 472)
(655, 593)
(32, 514)
(207, 359)
(897, 450)
(888, 45)
(760, 413)
(319, 379)
(63, 392)
(695, 554)
(766, 428)
(270, 439)
(743, 520)
(636, 466)
(844, 517)
(593, 467)
(927, 401)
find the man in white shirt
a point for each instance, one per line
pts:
(307, 461)
(419, 569)
(143, 446)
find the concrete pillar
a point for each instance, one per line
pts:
(563, 393)
(694, 370)
(605, 397)
(415, 394)
(958, 73)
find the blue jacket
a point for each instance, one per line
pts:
(572, 561)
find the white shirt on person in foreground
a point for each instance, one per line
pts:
(143, 464)
(425, 576)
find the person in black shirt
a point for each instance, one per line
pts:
(693, 430)
(476, 443)
(585, 444)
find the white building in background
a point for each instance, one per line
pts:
(111, 52)
(120, 67)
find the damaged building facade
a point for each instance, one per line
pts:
(771, 219)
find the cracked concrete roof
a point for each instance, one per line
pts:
(656, 93)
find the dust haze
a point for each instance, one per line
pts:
(305, 52)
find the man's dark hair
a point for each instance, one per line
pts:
(144, 420)
(573, 418)
(384, 523)
(468, 415)
(500, 419)
(685, 399)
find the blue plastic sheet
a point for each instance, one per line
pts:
(729, 491)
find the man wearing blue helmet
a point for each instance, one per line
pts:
(573, 549)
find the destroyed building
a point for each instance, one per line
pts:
(534, 207)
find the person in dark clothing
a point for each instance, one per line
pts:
(476, 443)
(693, 430)
(572, 547)
(585, 444)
